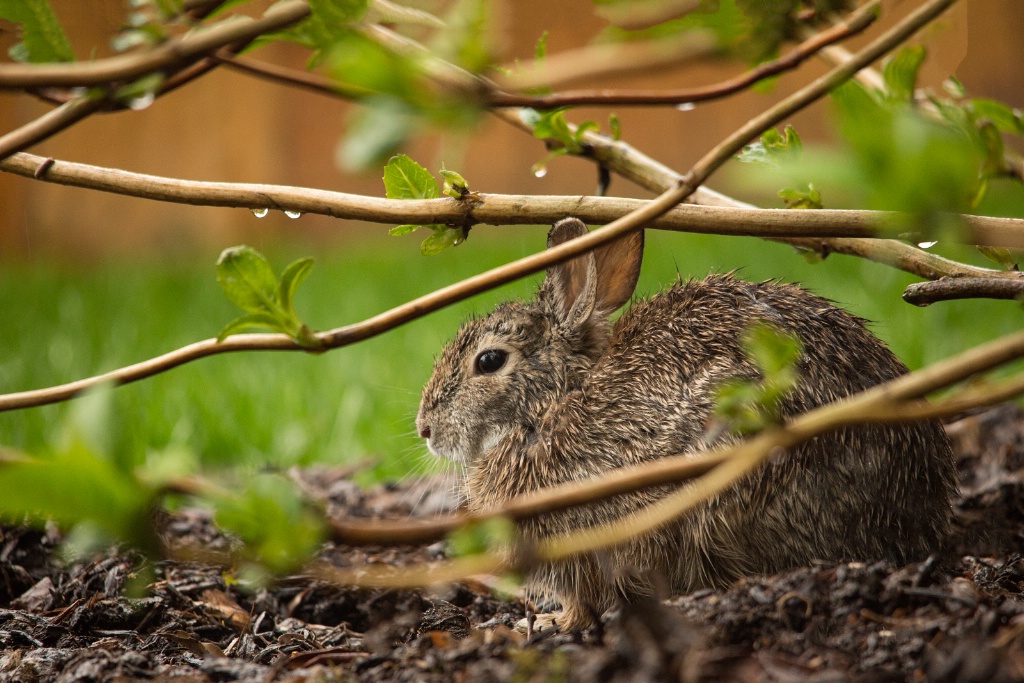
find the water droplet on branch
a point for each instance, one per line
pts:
(140, 103)
(260, 212)
(541, 171)
(292, 214)
(927, 245)
(686, 106)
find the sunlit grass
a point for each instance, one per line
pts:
(357, 403)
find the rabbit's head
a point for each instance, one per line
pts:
(503, 372)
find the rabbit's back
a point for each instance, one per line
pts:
(875, 491)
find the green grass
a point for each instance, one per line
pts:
(277, 409)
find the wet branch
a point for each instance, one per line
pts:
(946, 289)
(495, 209)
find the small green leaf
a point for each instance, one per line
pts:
(999, 255)
(254, 320)
(773, 148)
(455, 186)
(377, 129)
(278, 527)
(615, 126)
(405, 179)
(476, 538)
(900, 72)
(247, 279)
(291, 278)
(440, 240)
(551, 125)
(1005, 118)
(42, 38)
(801, 199)
(540, 50)
(583, 128)
(400, 230)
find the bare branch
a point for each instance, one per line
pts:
(49, 124)
(496, 209)
(173, 53)
(857, 22)
(925, 293)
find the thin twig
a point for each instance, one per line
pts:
(854, 24)
(494, 209)
(165, 56)
(49, 124)
(925, 293)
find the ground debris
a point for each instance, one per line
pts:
(958, 616)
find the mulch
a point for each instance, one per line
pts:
(958, 616)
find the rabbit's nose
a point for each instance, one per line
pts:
(425, 432)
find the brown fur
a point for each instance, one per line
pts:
(577, 398)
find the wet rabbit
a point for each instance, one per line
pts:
(545, 392)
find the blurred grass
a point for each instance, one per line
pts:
(356, 403)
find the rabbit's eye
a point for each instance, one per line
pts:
(490, 361)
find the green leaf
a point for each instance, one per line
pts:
(405, 179)
(247, 280)
(376, 131)
(293, 276)
(400, 230)
(464, 41)
(801, 199)
(442, 238)
(615, 126)
(43, 39)
(773, 148)
(267, 321)
(455, 186)
(1005, 118)
(476, 538)
(74, 487)
(999, 255)
(551, 125)
(540, 50)
(279, 529)
(900, 72)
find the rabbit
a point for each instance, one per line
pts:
(549, 391)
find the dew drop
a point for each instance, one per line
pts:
(140, 103)
(261, 212)
(541, 171)
(927, 245)
(292, 214)
(686, 106)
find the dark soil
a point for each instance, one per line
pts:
(955, 617)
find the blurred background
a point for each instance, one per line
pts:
(92, 281)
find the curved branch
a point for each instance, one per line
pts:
(857, 22)
(670, 470)
(174, 52)
(49, 124)
(925, 293)
(496, 209)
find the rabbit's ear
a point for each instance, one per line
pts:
(618, 269)
(572, 284)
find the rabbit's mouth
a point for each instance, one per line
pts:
(465, 453)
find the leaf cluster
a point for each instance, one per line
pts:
(749, 404)
(406, 179)
(249, 282)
